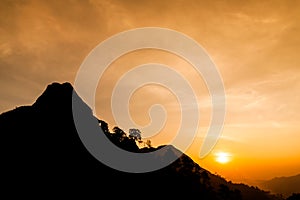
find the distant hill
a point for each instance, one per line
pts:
(283, 185)
(42, 153)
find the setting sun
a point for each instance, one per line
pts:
(223, 157)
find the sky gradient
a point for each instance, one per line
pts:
(254, 44)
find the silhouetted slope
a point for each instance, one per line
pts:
(249, 193)
(283, 185)
(42, 152)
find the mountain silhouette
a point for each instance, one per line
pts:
(43, 153)
(283, 185)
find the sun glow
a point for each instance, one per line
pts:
(223, 157)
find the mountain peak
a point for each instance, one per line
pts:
(55, 94)
(60, 85)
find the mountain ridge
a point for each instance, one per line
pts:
(285, 185)
(44, 147)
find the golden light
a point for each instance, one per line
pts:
(223, 157)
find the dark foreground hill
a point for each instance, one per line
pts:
(42, 153)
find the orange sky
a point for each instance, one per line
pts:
(255, 46)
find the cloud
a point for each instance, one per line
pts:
(254, 44)
(44, 41)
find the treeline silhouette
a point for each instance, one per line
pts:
(42, 152)
(294, 196)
